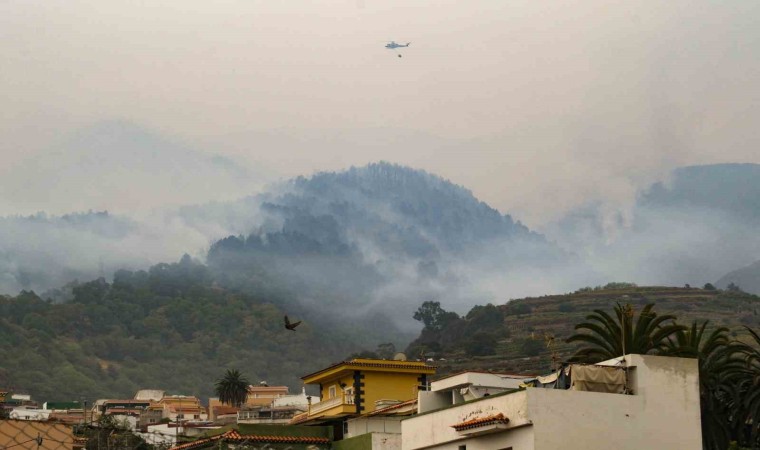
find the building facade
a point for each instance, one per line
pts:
(360, 386)
(635, 402)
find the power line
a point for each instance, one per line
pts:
(20, 443)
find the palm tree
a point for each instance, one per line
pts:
(613, 337)
(232, 389)
(747, 379)
(717, 358)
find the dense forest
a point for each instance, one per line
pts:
(170, 327)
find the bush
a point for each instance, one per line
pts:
(531, 347)
(518, 309)
(566, 308)
(480, 344)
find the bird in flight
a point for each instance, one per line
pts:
(291, 326)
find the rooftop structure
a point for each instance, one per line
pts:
(636, 402)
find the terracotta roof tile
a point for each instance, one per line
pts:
(481, 422)
(387, 409)
(234, 436)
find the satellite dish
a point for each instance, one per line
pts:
(399, 357)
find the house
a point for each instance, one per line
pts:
(126, 412)
(71, 413)
(23, 435)
(280, 411)
(632, 402)
(275, 437)
(274, 415)
(379, 429)
(218, 411)
(264, 395)
(183, 408)
(359, 386)
(153, 395)
(29, 413)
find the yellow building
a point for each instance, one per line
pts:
(360, 386)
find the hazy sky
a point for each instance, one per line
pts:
(534, 105)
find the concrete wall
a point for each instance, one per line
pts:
(434, 429)
(663, 413)
(476, 379)
(429, 400)
(362, 425)
(386, 441)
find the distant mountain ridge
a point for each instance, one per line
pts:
(118, 165)
(690, 229)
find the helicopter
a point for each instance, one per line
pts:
(392, 45)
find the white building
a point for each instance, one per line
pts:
(659, 410)
(466, 386)
(23, 413)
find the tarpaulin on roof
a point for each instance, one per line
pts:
(598, 379)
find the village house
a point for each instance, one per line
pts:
(636, 402)
(180, 408)
(272, 437)
(360, 386)
(280, 411)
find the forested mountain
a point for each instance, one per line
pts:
(693, 228)
(377, 237)
(169, 328)
(381, 237)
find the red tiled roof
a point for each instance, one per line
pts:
(387, 409)
(234, 436)
(380, 363)
(481, 422)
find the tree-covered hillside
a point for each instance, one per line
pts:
(167, 328)
(523, 336)
(382, 236)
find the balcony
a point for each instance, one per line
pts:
(331, 408)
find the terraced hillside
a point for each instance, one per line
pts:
(526, 344)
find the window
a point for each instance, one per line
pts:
(331, 392)
(462, 447)
(197, 416)
(349, 395)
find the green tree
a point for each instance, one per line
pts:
(232, 389)
(608, 337)
(480, 344)
(386, 350)
(718, 356)
(433, 316)
(747, 382)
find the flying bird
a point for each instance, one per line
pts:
(291, 326)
